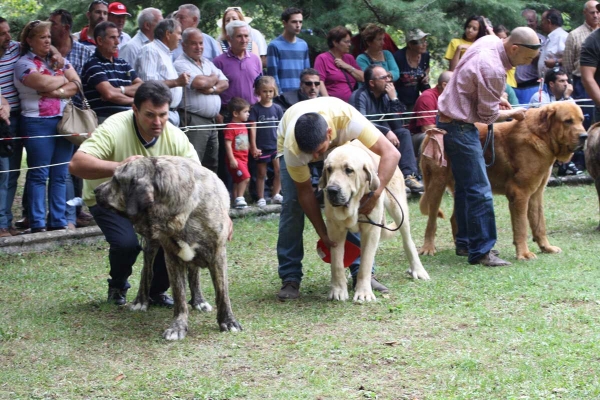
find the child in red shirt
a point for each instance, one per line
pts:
(236, 146)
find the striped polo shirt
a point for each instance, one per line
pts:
(7, 68)
(99, 69)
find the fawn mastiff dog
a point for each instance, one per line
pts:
(176, 203)
(349, 173)
(524, 154)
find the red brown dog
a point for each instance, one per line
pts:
(524, 154)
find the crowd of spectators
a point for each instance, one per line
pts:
(209, 77)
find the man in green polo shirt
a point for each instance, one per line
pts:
(142, 132)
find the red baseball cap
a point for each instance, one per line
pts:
(117, 8)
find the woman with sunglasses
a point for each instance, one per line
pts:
(234, 14)
(373, 36)
(413, 63)
(337, 67)
(43, 90)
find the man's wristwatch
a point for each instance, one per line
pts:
(214, 88)
(62, 93)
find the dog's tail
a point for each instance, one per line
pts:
(424, 206)
(390, 232)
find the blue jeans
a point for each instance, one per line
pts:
(408, 161)
(290, 246)
(473, 201)
(8, 180)
(3, 191)
(586, 106)
(46, 151)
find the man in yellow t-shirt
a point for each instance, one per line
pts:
(307, 131)
(143, 131)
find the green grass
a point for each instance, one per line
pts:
(530, 331)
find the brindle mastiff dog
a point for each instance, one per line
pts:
(176, 203)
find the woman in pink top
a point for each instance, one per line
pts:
(43, 90)
(338, 68)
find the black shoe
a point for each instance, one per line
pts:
(117, 296)
(490, 260)
(289, 291)
(23, 223)
(32, 230)
(161, 300)
(568, 169)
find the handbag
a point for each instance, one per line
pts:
(77, 122)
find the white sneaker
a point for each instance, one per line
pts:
(261, 202)
(277, 199)
(240, 202)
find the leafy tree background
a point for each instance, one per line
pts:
(443, 19)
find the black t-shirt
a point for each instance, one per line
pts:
(410, 84)
(590, 54)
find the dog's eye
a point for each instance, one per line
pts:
(569, 121)
(329, 169)
(349, 170)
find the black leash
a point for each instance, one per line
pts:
(370, 221)
(489, 139)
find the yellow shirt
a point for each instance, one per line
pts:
(346, 124)
(453, 45)
(510, 77)
(116, 140)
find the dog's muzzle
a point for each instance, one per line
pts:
(336, 197)
(582, 138)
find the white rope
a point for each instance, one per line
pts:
(28, 168)
(264, 126)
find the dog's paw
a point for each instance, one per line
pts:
(176, 331)
(418, 273)
(528, 255)
(138, 305)
(338, 293)
(427, 250)
(230, 326)
(551, 250)
(202, 306)
(364, 294)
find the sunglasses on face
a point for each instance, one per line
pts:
(309, 83)
(530, 46)
(383, 77)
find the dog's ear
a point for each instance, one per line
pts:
(139, 197)
(545, 118)
(175, 181)
(372, 177)
(323, 178)
(135, 180)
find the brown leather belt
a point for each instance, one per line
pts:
(444, 118)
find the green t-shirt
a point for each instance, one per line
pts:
(116, 140)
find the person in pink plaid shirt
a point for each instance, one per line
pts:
(474, 94)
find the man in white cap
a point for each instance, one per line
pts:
(117, 14)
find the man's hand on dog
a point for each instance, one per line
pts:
(368, 202)
(130, 158)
